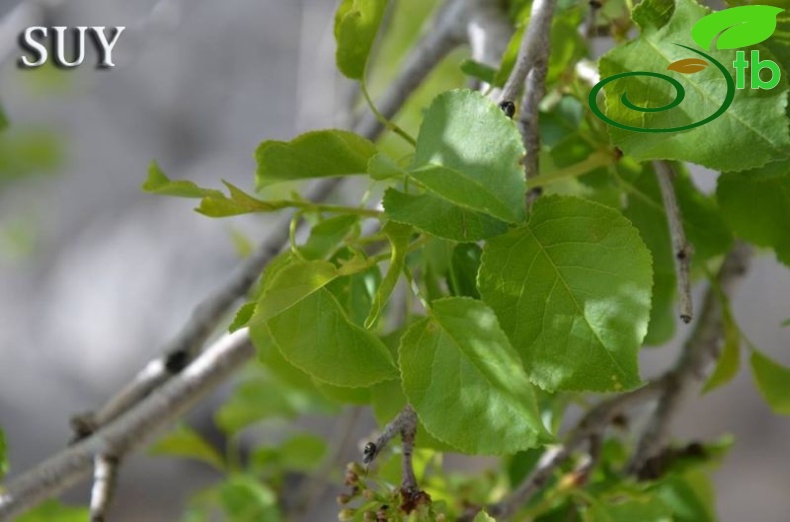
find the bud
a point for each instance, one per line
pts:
(346, 515)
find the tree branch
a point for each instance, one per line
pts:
(142, 405)
(701, 349)
(105, 476)
(681, 249)
(204, 321)
(131, 429)
(535, 45)
(446, 33)
(403, 420)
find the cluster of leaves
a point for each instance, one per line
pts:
(501, 316)
(489, 318)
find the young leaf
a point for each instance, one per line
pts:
(772, 380)
(736, 27)
(466, 382)
(315, 336)
(628, 508)
(183, 441)
(730, 358)
(356, 25)
(254, 400)
(303, 452)
(468, 152)
(572, 291)
(159, 183)
(478, 70)
(315, 154)
(245, 497)
(751, 132)
(483, 517)
(756, 204)
(326, 236)
(464, 265)
(217, 204)
(242, 317)
(54, 511)
(290, 285)
(355, 292)
(440, 218)
(381, 167)
(687, 496)
(399, 236)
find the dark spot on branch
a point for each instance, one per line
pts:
(508, 107)
(369, 452)
(596, 4)
(176, 361)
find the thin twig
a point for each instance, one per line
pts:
(534, 45)
(408, 432)
(204, 321)
(701, 348)
(153, 398)
(681, 249)
(130, 430)
(105, 477)
(372, 449)
(592, 424)
(446, 33)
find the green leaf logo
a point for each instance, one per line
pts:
(736, 27)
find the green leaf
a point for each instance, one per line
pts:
(466, 382)
(750, 133)
(736, 27)
(468, 152)
(773, 381)
(356, 25)
(317, 337)
(464, 265)
(756, 204)
(326, 236)
(183, 441)
(381, 167)
(244, 498)
(399, 236)
(478, 70)
(54, 511)
(387, 401)
(252, 401)
(3, 452)
(572, 291)
(355, 292)
(242, 317)
(159, 183)
(217, 204)
(302, 453)
(291, 284)
(631, 508)
(730, 358)
(344, 395)
(483, 517)
(440, 218)
(688, 497)
(315, 154)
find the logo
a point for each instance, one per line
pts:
(38, 50)
(729, 29)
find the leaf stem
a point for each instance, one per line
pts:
(601, 158)
(383, 119)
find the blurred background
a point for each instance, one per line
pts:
(95, 275)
